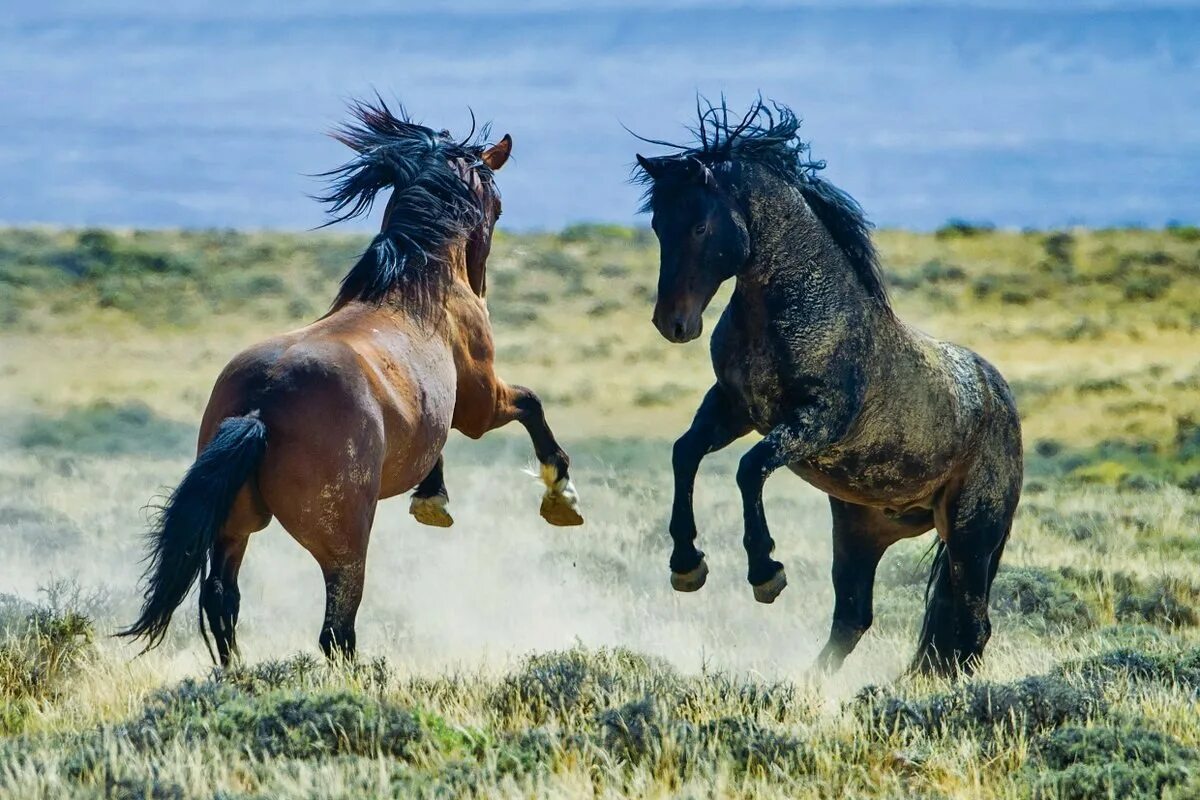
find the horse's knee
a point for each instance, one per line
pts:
(687, 452)
(750, 474)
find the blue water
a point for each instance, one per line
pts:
(211, 114)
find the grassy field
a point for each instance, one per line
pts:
(503, 657)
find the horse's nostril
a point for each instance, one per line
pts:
(679, 330)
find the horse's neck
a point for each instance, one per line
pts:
(793, 257)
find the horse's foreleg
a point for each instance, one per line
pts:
(560, 504)
(429, 499)
(718, 422)
(793, 441)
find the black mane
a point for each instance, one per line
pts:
(431, 204)
(768, 136)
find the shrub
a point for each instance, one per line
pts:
(284, 723)
(596, 231)
(563, 684)
(1147, 287)
(1174, 668)
(1030, 704)
(1108, 761)
(661, 395)
(1184, 232)
(631, 732)
(1166, 601)
(105, 428)
(1074, 744)
(316, 724)
(1060, 248)
(1123, 780)
(41, 652)
(1040, 594)
(960, 229)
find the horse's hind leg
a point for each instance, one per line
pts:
(429, 499)
(973, 526)
(329, 508)
(342, 554)
(860, 536)
(220, 599)
(343, 594)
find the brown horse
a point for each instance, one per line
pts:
(314, 427)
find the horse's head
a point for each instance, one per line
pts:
(702, 236)
(482, 185)
(439, 220)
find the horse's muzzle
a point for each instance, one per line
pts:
(678, 327)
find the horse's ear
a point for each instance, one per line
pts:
(496, 155)
(647, 165)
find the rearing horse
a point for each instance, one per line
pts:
(314, 427)
(904, 432)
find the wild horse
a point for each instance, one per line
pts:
(904, 432)
(314, 427)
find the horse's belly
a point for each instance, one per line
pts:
(899, 482)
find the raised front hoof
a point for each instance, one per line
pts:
(692, 580)
(561, 509)
(431, 511)
(560, 504)
(767, 591)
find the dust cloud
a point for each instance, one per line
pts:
(499, 584)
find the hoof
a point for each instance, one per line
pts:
(767, 592)
(431, 511)
(690, 581)
(560, 504)
(561, 509)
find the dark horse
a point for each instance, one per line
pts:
(314, 427)
(905, 433)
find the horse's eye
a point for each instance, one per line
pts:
(700, 229)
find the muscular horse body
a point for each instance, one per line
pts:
(905, 433)
(314, 427)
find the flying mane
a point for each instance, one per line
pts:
(431, 205)
(768, 136)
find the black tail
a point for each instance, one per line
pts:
(939, 581)
(188, 524)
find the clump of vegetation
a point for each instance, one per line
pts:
(1128, 761)
(1043, 596)
(105, 428)
(566, 685)
(1029, 704)
(42, 649)
(961, 228)
(295, 723)
(1166, 601)
(1181, 669)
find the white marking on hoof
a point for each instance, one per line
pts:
(560, 504)
(690, 581)
(767, 592)
(431, 511)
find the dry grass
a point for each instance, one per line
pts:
(506, 658)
